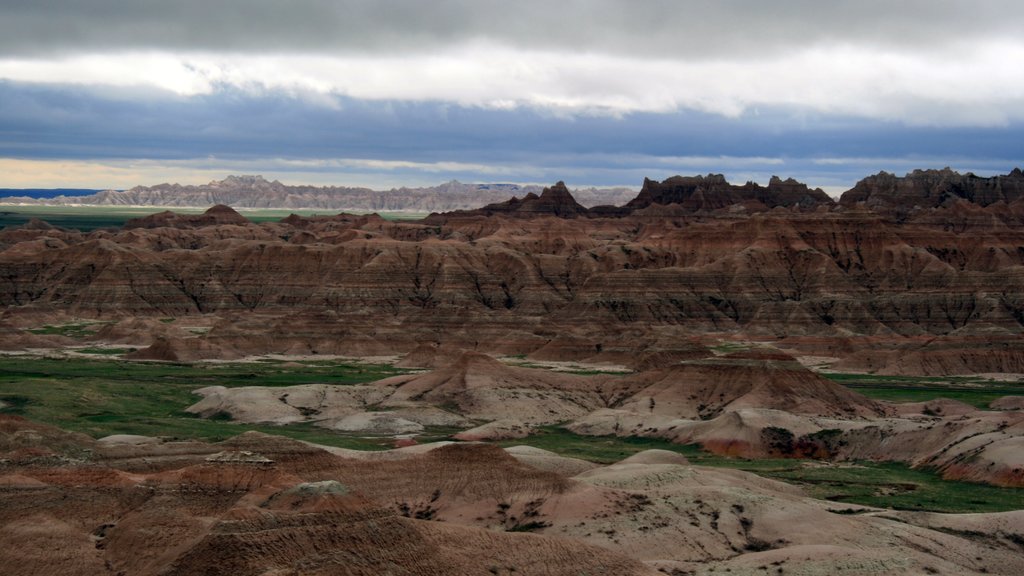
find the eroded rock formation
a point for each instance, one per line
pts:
(543, 274)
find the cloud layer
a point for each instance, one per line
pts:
(483, 89)
(674, 29)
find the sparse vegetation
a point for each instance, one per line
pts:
(72, 330)
(880, 484)
(975, 391)
(106, 396)
(87, 218)
(729, 347)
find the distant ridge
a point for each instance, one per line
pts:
(885, 193)
(258, 192)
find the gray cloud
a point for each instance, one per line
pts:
(693, 29)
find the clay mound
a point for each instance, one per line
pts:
(1008, 403)
(982, 446)
(174, 349)
(751, 379)
(431, 355)
(276, 447)
(481, 387)
(126, 439)
(506, 429)
(313, 497)
(655, 456)
(13, 338)
(431, 416)
(939, 407)
(37, 224)
(749, 433)
(549, 461)
(214, 216)
(466, 475)
(314, 528)
(24, 439)
(654, 359)
(288, 455)
(138, 332)
(378, 423)
(305, 402)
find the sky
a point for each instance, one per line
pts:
(383, 93)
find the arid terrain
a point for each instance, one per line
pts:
(762, 354)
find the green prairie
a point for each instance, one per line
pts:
(978, 392)
(86, 218)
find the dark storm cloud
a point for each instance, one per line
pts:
(59, 122)
(666, 28)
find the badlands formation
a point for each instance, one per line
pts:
(709, 299)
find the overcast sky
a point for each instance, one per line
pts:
(383, 93)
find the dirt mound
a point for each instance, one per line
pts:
(1008, 403)
(430, 355)
(343, 407)
(943, 407)
(386, 423)
(177, 349)
(653, 358)
(498, 430)
(656, 457)
(14, 338)
(24, 440)
(141, 332)
(218, 215)
(479, 386)
(759, 379)
(550, 461)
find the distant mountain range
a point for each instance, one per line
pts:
(257, 192)
(883, 193)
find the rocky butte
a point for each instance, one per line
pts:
(710, 300)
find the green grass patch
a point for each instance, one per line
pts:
(978, 392)
(75, 330)
(729, 347)
(103, 397)
(882, 484)
(88, 218)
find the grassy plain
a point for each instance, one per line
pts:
(101, 397)
(88, 218)
(976, 391)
